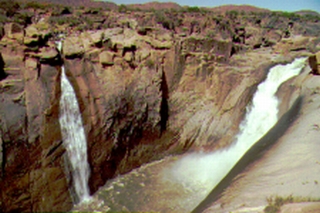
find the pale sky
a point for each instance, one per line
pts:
(283, 5)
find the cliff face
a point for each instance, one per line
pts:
(145, 90)
(32, 163)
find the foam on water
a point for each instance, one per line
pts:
(206, 170)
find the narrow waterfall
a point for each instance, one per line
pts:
(206, 170)
(74, 138)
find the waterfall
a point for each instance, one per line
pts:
(206, 170)
(74, 138)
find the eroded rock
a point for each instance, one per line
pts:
(73, 47)
(49, 56)
(314, 63)
(2, 72)
(106, 58)
(14, 31)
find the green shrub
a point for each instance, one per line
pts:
(3, 19)
(287, 14)
(35, 5)
(88, 20)
(193, 9)
(61, 20)
(23, 17)
(275, 202)
(58, 10)
(166, 22)
(150, 63)
(185, 29)
(122, 8)
(309, 17)
(11, 7)
(81, 27)
(233, 14)
(211, 34)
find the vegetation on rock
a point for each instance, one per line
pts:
(276, 202)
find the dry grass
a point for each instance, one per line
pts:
(275, 202)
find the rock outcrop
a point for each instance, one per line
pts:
(314, 62)
(32, 155)
(73, 47)
(2, 72)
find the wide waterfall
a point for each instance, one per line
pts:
(206, 170)
(74, 138)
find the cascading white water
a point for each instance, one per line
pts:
(206, 170)
(74, 138)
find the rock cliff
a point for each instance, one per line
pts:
(147, 87)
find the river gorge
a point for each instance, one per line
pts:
(133, 113)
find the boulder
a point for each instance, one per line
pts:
(73, 47)
(30, 41)
(299, 43)
(97, 37)
(108, 33)
(219, 48)
(32, 31)
(106, 58)
(271, 38)
(143, 54)
(93, 55)
(14, 31)
(253, 37)
(156, 44)
(32, 36)
(130, 23)
(128, 57)
(125, 41)
(36, 35)
(49, 56)
(314, 63)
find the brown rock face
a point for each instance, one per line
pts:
(32, 156)
(106, 58)
(116, 117)
(73, 47)
(2, 72)
(314, 62)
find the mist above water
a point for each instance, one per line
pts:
(206, 170)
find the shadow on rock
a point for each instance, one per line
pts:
(254, 153)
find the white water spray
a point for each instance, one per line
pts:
(74, 138)
(206, 170)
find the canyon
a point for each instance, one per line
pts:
(151, 86)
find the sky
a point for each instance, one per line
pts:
(283, 5)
